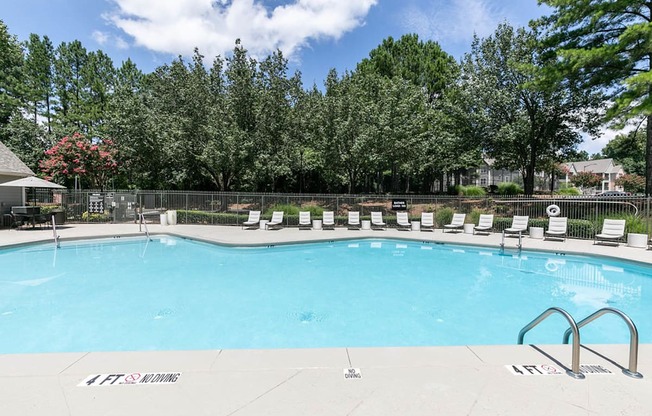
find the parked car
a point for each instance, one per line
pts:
(615, 193)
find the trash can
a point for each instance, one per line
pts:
(59, 216)
(172, 217)
(164, 219)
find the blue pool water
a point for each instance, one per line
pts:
(177, 294)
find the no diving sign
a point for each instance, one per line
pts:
(121, 379)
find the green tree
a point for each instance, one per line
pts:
(69, 63)
(606, 45)
(628, 150)
(132, 127)
(424, 64)
(39, 74)
(528, 121)
(11, 76)
(273, 107)
(98, 77)
(346, 140)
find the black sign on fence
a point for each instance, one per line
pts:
(399, 204)
(96, 203)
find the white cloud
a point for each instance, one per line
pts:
(596, 144)
(100, 37)
(103, 38)
(453, 20)
(120, 43)
(178, 26)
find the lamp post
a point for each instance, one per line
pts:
(587, 165)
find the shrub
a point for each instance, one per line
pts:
(509, 188)
(474, 216)
(288, 209)
(634, 224)
(569, 191)
(46, 209)
(471, 190)
(95, 217)
(444, 216)
(315, 210)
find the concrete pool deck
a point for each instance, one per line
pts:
(464, 380)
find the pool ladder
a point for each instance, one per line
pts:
(574, 329)
(56, 237)
(143, 222)
(520, 241)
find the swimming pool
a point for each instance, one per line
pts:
(178, 294)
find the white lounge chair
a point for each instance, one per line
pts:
(276, 222)
(403, 221)
(612, 231)
(377, 221)
(304, 220)
(557, 228)
(354, 220)
(253, 220)
(456, 224)
(427, 221)
(485, 224)
(519, 225)
(328, 220)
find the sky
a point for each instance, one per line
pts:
(315, 35)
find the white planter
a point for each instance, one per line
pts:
(366, 224)
(316, 224)
(637, 240)
(164, 219)
(416, 225)
(468, 228)
(536, 232)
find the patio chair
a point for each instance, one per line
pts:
(328, 220)
(403, 221)
(377, 221)
(427, 221)
(612, 232)
(456, 224)
(354, 220)
(276, 222)
(519, 225)
(485, 224)
(557, 228)
(304, 220)
(252, 221)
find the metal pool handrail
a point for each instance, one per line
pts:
(575, 365)
(54, 232)
(143, 222)
(633, 337)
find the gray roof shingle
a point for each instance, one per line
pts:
(11, 165)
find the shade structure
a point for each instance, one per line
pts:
(32, 182)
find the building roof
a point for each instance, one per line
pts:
(11, 165)
(595, 166)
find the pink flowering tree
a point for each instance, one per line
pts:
(92, 162)
(586, 179)
(632, 183)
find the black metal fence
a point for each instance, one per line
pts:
(585, 214)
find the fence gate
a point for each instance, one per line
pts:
(124, 207)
